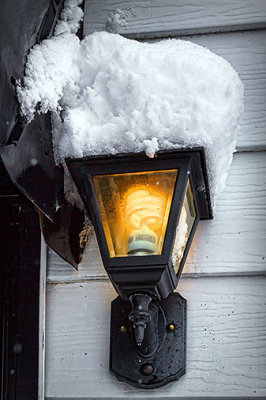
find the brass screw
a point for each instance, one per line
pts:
(123, 329)
(171, 327)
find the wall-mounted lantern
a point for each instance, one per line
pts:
(136, 205)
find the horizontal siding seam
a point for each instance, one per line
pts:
(102, 278)
(157, 398)
(139, 36)
(250, 149)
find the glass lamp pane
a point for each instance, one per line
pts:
(134, 210)
(186, 221)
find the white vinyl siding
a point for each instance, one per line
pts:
(224, 280)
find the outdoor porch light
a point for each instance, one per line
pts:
(137, 205)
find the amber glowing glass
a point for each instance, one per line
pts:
(134, 210)
(185, 224)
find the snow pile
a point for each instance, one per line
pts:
(117, 20)
(114, 95)
(51, 67)
(70, 17)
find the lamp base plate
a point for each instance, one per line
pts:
(141, 367)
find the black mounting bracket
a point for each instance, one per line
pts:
(160, 357)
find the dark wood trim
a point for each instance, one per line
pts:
(20, 246)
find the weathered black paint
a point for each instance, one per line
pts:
(62, 235)
(31, 166)
(130, 364)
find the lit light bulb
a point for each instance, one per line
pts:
(143, 212)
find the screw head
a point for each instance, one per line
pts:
(171, 327)
(146, 369)
(123, 329)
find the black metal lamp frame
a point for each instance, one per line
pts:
(138, 347)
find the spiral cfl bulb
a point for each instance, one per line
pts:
(143, 211)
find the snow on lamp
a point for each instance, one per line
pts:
(139, 208)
